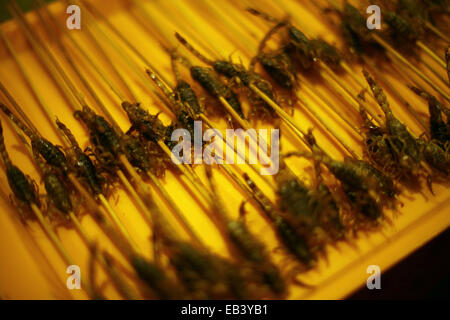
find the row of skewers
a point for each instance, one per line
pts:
(305, 217)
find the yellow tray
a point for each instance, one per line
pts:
(30, 271)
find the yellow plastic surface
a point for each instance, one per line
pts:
(27, 272)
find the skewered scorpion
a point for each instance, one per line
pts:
(51, 153)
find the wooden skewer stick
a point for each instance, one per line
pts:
(435, 73)
(327, 126)
(144, 15)
(429, 52)
(53, 238)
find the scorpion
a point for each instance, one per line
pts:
(183, 100)
(436, 152)
(58, 194)
(51, 153)
(406, 21)
(80, 163)
(354, 29)
(404, 148)
(447, 59)
(24, 189)
(314, 212)
(239, 75)
(206, 275)
(151, 130)
(295, 243)
(277, 64)
(439, 128)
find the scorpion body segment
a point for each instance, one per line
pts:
(296, 244)
(313, 211)
(300, 47)
(385, 183)
(210, 81)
